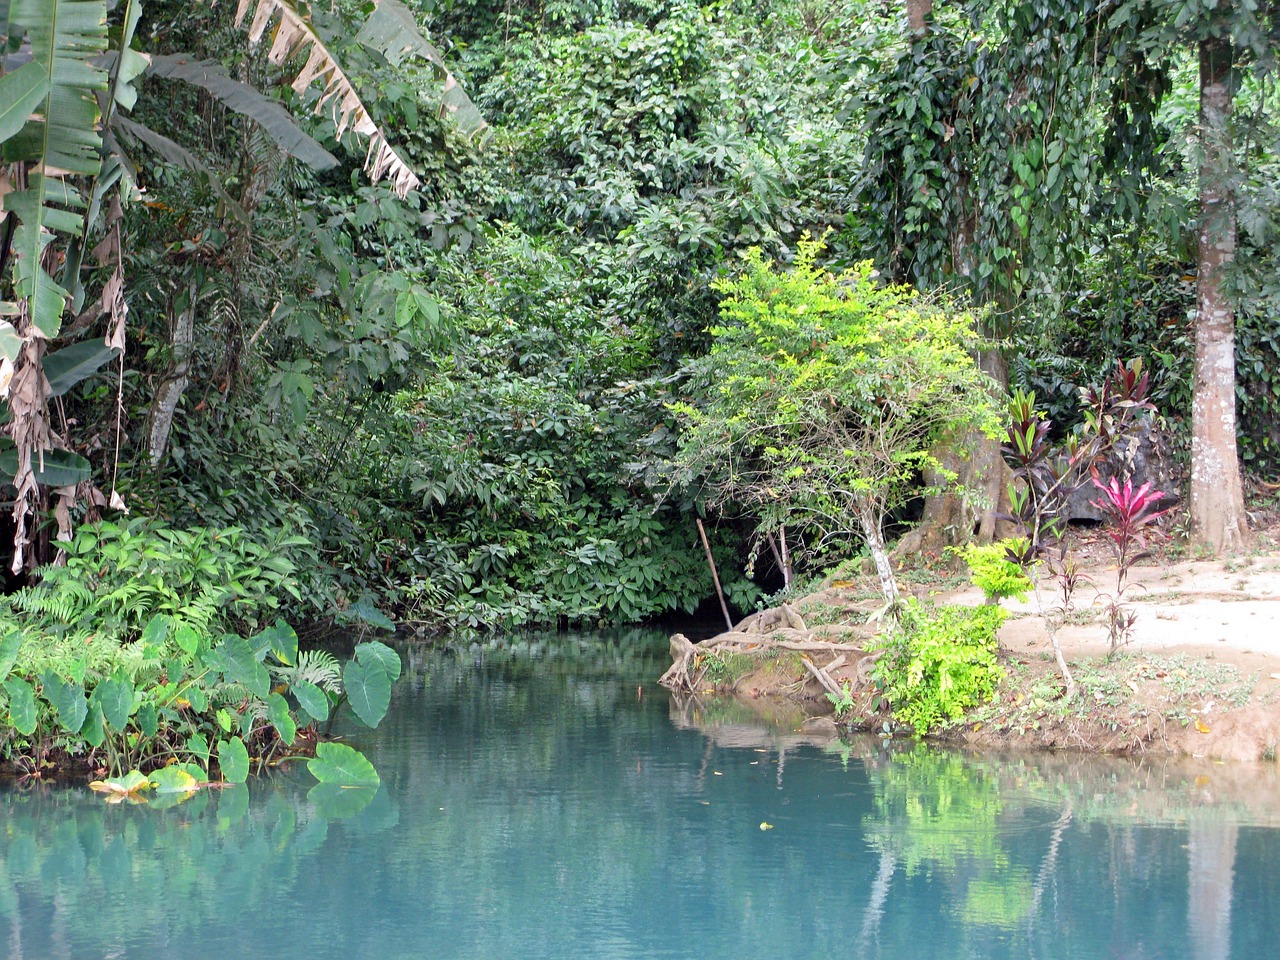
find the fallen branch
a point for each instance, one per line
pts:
(821, 676)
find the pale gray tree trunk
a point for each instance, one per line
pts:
(1217, 496)
(164, 406)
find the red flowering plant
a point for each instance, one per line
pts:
(1131, 514)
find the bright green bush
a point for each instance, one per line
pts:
(939, 662)
(993, 572)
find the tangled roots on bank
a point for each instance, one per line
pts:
(830, 652)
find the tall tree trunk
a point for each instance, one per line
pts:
(918, 14)
(959, 516)
(1217, 496)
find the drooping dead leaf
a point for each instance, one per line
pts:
(338, 98)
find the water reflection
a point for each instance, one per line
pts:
(542, 798)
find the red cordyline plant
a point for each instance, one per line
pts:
(1131, 513)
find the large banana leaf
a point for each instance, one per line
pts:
(293, 35)
(60, 140)
(66, 367)
(20, 91)
(244, 99)
(55, 468)
(392, 30)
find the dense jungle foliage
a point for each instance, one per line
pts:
(449, 388)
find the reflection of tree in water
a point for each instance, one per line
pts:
(938, 814)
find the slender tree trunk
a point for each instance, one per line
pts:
(164, 406)
(869, 519)
(918, 14)
(954, 517)
(1217, 496)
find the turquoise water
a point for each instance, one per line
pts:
(549, 801)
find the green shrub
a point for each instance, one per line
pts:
(993, 572)
(940, 662)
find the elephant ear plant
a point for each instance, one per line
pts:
(217, 707)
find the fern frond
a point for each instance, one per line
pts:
(314, 666)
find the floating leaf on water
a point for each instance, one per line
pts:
(766, 826)
(118, 789)
(174, 779)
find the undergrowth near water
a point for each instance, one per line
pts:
(155, 646)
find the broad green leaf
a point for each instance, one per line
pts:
(22, 705)
(312, 699)
(9, 647)
(233, 760)
(174, 779)
(187, 638)
(343, 766)
(366, 612)
(60, 468)
(67, 698)
(115, 696)
(198, 699)
(157, 629)
(20, 91)
(198, 747)
(68, 366)
(191, 768)
(147, 718)
(238, 663)
(10, 342)
(93, 732)
(282, 719)
(267, 113)
(368, 690)
(374, 652)
(281, 640)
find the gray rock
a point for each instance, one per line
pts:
(1143, 458)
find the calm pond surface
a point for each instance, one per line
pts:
(544, 799)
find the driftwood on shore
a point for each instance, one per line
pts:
(822, 648)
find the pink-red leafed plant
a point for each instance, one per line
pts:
(1130, 513)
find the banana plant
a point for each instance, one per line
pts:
(66, 85)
